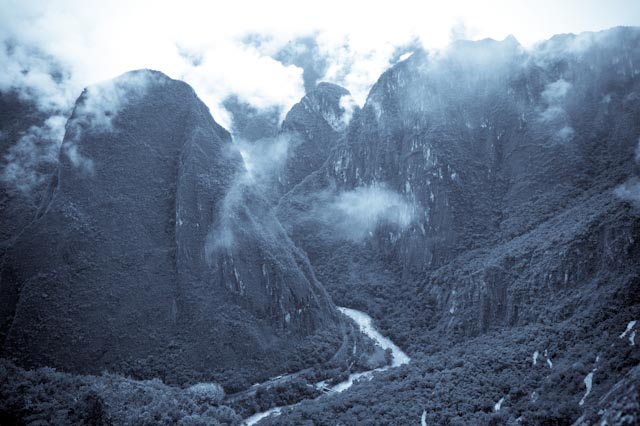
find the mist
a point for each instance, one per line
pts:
(96, 111)
(356, 214)
(630, 190)
(38, 146)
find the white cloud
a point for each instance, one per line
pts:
(102, 102)
(37, 146)
(555, 115)
(629, 191)
(552, 113)
(348, 105)
(99, 106)
(84, 164)
(202, 42)
(359, 212)
(556, 91)
(264, 158)
(565, 133)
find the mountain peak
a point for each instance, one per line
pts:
(328, 89)
(139, 246)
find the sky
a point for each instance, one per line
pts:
(262, 52)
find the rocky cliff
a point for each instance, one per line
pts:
(518, 168)
(151, 254)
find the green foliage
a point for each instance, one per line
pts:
(46, 396)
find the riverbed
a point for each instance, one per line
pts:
(365, 322)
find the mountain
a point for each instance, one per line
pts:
(28, 162)
(153, 256)
(315, 124)
(483, 207)
(516, 168)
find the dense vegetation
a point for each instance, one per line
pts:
(46, 396)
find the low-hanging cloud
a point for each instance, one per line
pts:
(302, 51)
(205, 44)
(630, 190)
(37, 77)
(348, 106)
(358, 213)
(554, 115)
(23, 163)
(264, 158)
(263, 161)
(556, 91)
(102, 102)
(98, 108)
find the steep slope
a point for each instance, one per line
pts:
(488, 128)
(522, 240)
(152, 256)
(315, 124)
(27, 162)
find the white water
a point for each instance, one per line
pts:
(630, 325)
(365, 323)
(588, 382)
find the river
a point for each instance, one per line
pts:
(365, 323)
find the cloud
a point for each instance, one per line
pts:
(555, 92)
(348, 106)
(264, 158)
(305, 53)
(204, 43)
(554, 115)
(565, 134)
(461, 31)
(629, 191)
(96, 109)
(82, 163)
(36, 77)
(24, 160)
(356, 214)
(253, 189)
(101, 103)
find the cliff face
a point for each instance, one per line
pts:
(150, 253)
(27, 162)
(489, 140)
(315, 125)
(520, 168)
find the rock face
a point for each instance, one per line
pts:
(315, 124)
(522, 167)
(27, 162)
(150, 254)
(489, 140)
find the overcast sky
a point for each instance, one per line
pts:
(254, 49)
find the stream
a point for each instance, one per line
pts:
(365, 323)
